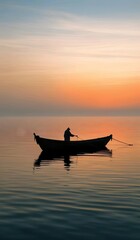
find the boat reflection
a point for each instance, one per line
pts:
(48, 157)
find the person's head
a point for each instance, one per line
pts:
(68, 128)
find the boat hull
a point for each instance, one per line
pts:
(81, 146)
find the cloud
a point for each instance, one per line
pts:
(74, 23)
(64, 33)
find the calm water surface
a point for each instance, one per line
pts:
(93, 196)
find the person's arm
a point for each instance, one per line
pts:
(73, 135)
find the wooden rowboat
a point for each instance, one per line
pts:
(80, 146)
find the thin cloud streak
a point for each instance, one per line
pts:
(58, 30)
(60, 21)
(70, 22)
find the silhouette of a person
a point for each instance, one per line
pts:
(68, 134)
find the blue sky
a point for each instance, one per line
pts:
(98, 8)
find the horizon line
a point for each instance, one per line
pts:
(70, 115)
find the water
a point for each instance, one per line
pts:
(95, 196)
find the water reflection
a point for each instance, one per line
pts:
(48, 157)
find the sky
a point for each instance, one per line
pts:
(69, 57)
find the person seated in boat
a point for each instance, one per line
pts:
(68, 134)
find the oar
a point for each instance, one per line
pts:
(128, 144)
(77, 137)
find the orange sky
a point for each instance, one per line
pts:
(102, 96)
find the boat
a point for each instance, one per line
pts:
(74, 147)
